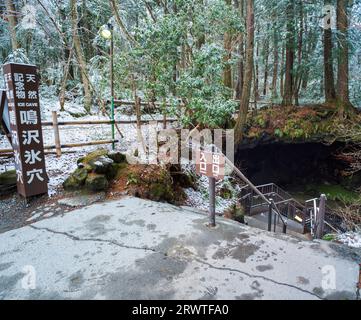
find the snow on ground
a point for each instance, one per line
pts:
(351, 239)
(59, 168)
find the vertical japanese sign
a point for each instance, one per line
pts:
(22, 84)
(210, 164)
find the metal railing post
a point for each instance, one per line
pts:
(275, 223)
(320, 217)
(270, 217)
(212, 202)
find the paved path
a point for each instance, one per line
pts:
(136, 249)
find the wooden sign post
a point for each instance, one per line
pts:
(22, 90)
(212, 165)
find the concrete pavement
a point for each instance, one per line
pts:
(137, 249)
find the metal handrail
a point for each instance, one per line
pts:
(278, 212)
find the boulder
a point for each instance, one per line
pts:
(96, 182)
(92, 156)
(101, 164)
(85, 166)
(76, 179)
(117, 157)
(152, 182)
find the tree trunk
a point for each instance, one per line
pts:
(227, 72)
(256, 73)
(343, 100)
(240, 79)
(275, 65)
(265, 84)
(80, 57)
(282, 71)
(329, 80)
(290, 54)
(298, 78)
(64, 81)
(67, 50)
(86, 34)
(246, 92)
(10, 8)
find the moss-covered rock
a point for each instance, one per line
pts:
(71, 184)
(95, 171)
(85, 166)
(76, 179)
(96, 182)
(101, 164)
(92, 156)
(152, 182)
(117, 157)
(80, 175)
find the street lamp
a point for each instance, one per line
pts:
(107, 34)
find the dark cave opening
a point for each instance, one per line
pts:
(293, 164)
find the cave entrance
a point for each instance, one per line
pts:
(291, 165)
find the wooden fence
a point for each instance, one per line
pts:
(56, 124)
(137, 104)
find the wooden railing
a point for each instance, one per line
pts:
(58, 146)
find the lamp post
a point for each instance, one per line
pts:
(107, 33)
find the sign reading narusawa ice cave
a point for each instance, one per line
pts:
(22, 89)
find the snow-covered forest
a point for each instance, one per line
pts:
(180, 149)
(204, 54)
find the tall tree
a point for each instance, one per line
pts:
(299, 70)
(329, 80)
(266, 56)
(246, 92)
(275, 64)
(11, 14)
(227, 73)
(343, 100)
(290, 55)
(240, 78)
(80, 56)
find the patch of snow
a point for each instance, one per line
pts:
(351, 239)
(59, 169)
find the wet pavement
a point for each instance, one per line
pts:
(138, 249)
